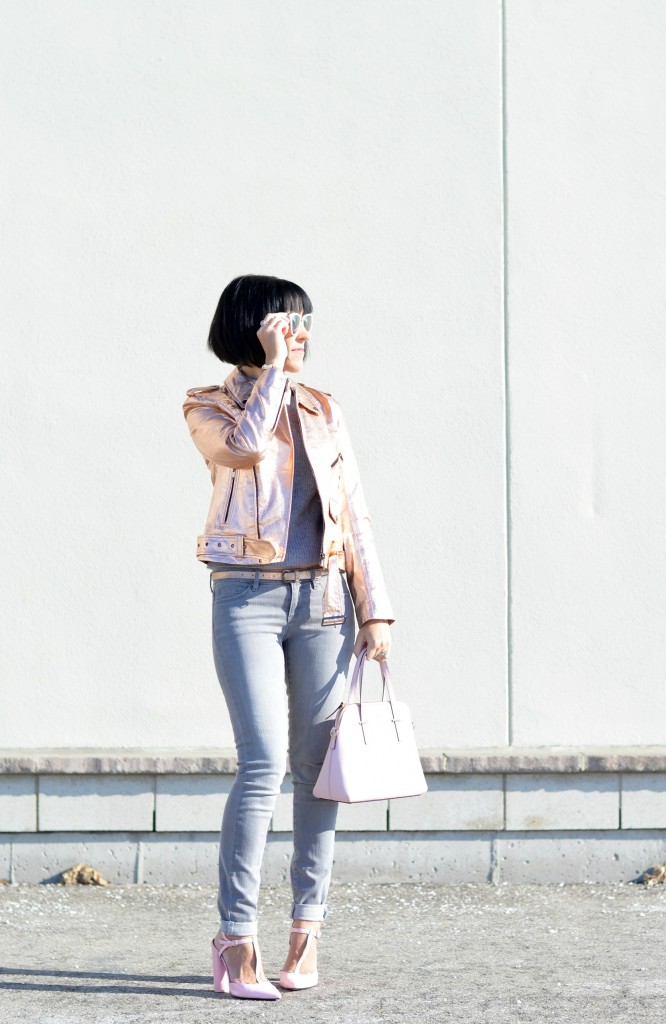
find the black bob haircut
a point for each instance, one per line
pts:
(243, 305)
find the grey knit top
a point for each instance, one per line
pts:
(306, 525)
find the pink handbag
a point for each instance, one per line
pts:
(372, 754)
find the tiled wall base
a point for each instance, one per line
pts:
(495, 814)
(439, 857)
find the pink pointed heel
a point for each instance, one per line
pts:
(240, 989)
(294, 979)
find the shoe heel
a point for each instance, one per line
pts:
(220, 973)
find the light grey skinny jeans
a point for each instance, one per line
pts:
(267, 634)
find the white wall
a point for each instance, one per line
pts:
(472, 193)
(587, 367)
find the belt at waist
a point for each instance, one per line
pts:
(333, 600)
(277, 574)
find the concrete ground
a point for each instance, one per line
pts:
(575, 954)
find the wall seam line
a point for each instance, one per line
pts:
(505, 360)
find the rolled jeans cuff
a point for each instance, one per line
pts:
(309, 911)
(238, 927)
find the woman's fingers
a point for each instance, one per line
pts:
(378, 652)
(272, 317)
(271, 334)
(358, 645)
(378, 640)
(274, 322)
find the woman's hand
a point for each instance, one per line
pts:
(376, 633)
(271, 334)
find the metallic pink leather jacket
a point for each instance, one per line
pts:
(246, 442)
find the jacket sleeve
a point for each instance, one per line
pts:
(238, 441)
(363, 570)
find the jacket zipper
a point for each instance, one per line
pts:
(231, 494)
(256, 489)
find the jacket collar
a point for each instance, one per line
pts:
(239, 386)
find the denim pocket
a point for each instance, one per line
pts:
(229, 589)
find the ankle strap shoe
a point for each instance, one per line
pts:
(294, 979)
(240, 989)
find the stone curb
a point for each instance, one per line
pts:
(481, 760)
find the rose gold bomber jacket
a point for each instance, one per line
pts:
(238, 428)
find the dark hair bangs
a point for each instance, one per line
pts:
(242, 306)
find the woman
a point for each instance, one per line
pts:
(289, 543)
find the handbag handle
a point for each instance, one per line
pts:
(356, 683)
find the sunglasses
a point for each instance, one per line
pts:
(295, 322)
